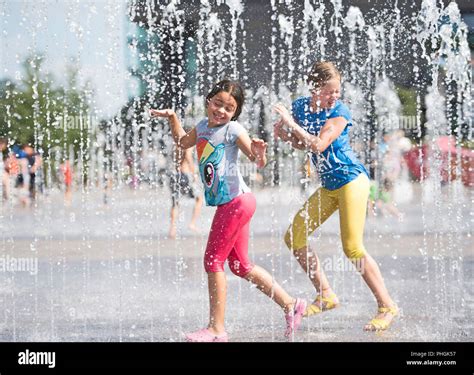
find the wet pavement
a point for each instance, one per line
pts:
(95, 272)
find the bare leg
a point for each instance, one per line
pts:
(379, 208)
(196, 213)
(310, 263)
(6, 185)
(217, 295)
(173, 216)
(371, 274)
(394, 211)
(317, 209)
(68, 196)
(265, 283)
(371, 208)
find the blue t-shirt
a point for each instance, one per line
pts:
(218, 162)
(338, 164)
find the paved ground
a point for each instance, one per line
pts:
(95, 272)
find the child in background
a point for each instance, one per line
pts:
(66, 170)
(182, 184)
(3, 170)
(380, 198)
(218, 138)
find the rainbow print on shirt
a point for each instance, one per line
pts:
(209, 158)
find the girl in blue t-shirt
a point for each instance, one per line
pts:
(218, 140)
(320, 123)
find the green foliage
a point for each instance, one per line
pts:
(46, 115)
(408, 99)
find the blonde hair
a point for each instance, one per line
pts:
(321, 72)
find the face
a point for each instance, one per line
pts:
(221, 108)
(326, 96)
(28, 150)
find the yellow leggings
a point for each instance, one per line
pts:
(351, 200)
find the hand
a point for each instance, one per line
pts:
(259, 149)
(284, 113)
(277, 128)
(161, 113)
(281, 131)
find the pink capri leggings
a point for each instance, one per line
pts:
(229, 236)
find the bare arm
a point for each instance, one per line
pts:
(181, 138)
(287, 136)
(254, 149)
(316, 143)
(330, 131)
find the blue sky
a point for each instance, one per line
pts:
(93, 32)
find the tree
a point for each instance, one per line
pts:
(46, 115)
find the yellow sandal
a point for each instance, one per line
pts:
(382, 324)
(325, 303)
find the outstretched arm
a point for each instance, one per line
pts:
(316, 143)
(255, 149)
(181, 138)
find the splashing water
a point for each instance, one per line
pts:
(98, 224)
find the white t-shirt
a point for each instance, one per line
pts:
(218, 158)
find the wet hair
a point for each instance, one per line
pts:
(234, 89)
(321, 72)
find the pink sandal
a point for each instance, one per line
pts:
(293, 318)
(204, 335)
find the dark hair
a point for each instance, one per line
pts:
(322, 72)
(234, 89)
(387, 184)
